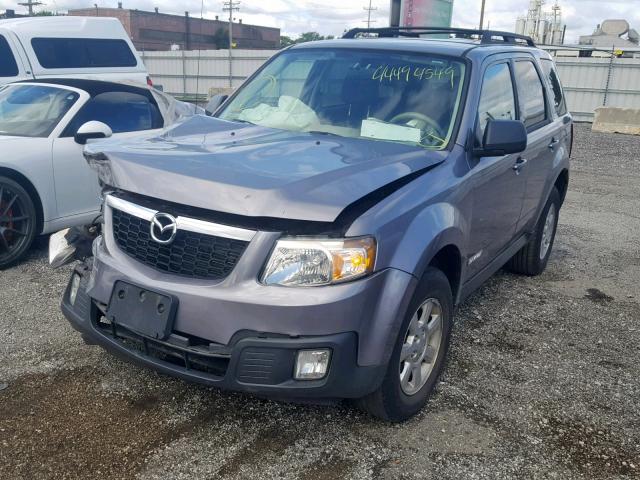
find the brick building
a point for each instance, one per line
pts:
(159, 31)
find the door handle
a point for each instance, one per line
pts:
(553, 143)
(520, 163)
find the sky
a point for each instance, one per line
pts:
(331, 17)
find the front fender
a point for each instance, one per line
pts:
(437, 226)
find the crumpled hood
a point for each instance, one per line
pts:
(255, 171)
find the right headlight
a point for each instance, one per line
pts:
(302, 262)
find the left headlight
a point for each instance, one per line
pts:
(301, 262)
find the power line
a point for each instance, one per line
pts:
(231, 6)
(30, 4)
(369, 9)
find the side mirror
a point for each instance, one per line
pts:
(92, 129)
(502, 137)
(215, 103)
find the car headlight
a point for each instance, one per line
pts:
(305, 262)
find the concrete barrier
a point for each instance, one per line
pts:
(617, 120)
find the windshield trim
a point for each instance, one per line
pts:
(455, 130)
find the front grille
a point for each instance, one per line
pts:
(195, 358)
(191, 254)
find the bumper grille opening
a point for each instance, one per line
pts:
(191, 254)
(187, 359)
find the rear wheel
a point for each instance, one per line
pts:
(419, 354)
(17, 222)
(534, 256)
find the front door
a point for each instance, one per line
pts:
(499, 183)
(127, 114)
(77, 189)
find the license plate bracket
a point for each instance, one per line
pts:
(142, 310)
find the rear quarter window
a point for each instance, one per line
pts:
(83, 53)
(8, 65)
(557, 94)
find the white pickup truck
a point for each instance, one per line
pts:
(68, 47)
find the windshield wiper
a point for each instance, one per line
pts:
(322, 132)
(242, 121)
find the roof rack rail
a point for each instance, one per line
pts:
(485, 36)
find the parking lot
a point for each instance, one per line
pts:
(543, 379)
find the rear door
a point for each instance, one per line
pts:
(543, 136)
(563, 122)
(127, 114)
(498, 187)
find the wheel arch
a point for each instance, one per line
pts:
(434, 238)
(562, 184)
(31, 190)
(448, 259)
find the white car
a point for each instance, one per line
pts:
(45, 183)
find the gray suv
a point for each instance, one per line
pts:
(312, 238)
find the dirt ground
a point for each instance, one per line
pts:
(543, 379)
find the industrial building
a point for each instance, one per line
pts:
(161, 31)
(545, 28)
(611, 35)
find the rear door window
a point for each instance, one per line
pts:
(530, 94)
(497, 100)
(8, 65)
(83, 53)
(559, 102)
(122, 111)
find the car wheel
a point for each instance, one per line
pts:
(17, 222)
(534, 256)
(419, 353)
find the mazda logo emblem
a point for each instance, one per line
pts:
(163, 228)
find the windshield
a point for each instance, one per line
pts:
(389, 96)
(33, 110)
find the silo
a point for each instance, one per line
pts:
(521, 24)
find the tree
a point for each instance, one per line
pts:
(285, 41)
(309, 37)
(221, 38)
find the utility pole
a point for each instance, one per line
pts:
(231, 6)
(482, 15)
(369, 9)
(30, 4)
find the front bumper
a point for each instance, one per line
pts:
(254, 362)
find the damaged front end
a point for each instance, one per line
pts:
(71, 244)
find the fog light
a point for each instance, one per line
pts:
(312, 364)
(75, 286)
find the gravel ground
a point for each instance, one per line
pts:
(543, 379)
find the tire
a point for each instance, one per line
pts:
(395, 400)
(18, 222)
(532, 259)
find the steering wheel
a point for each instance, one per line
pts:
(423, 121)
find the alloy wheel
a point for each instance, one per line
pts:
(15, 222)
(547, 232)
(421, 346)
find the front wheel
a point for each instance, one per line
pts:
(419, 354)
(17, 222)
(534, 256)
